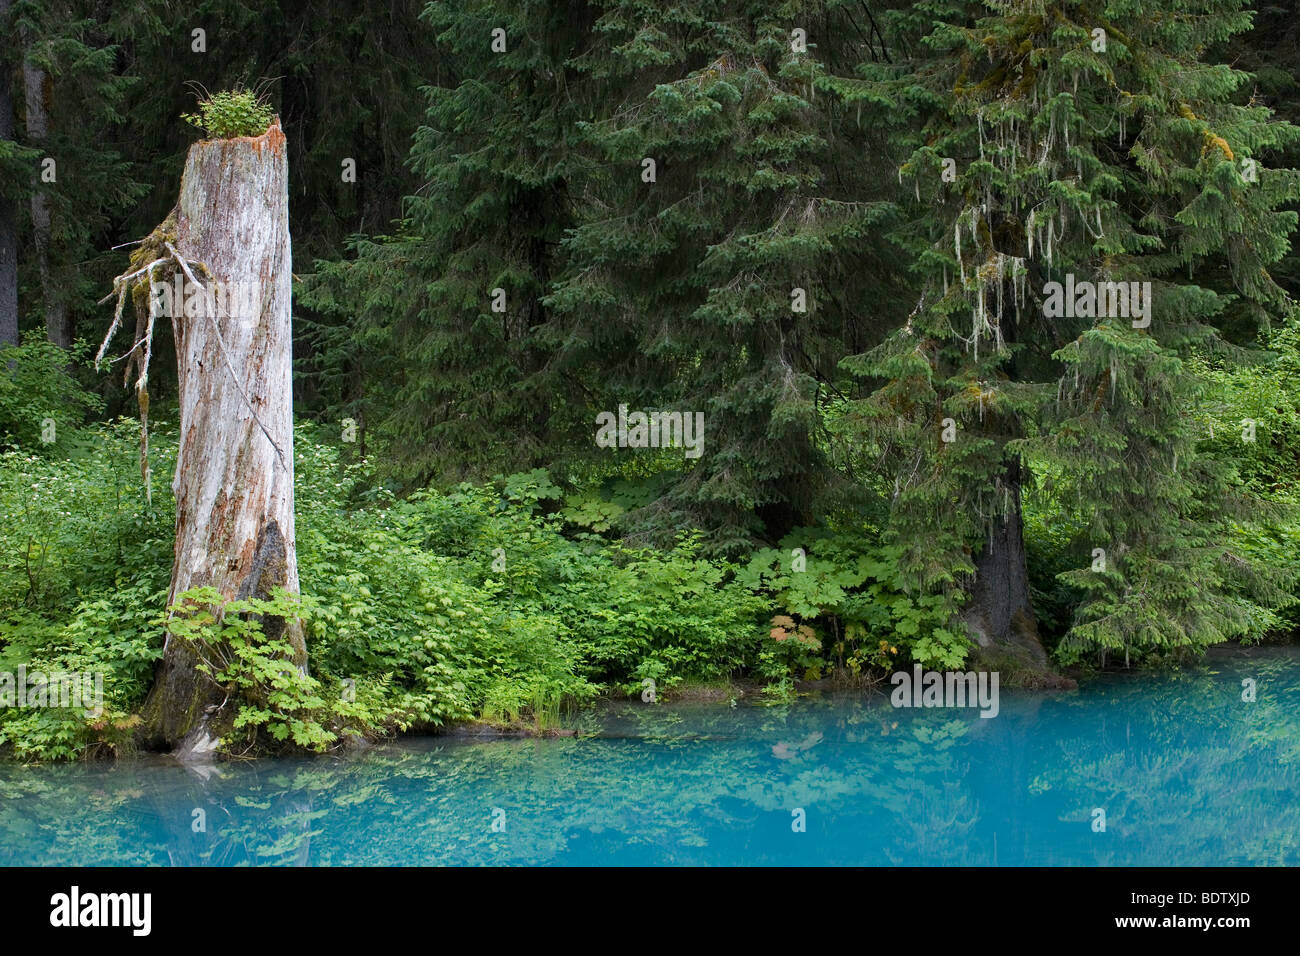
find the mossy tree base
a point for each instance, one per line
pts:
(999, 614)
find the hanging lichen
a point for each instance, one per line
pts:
(154, 254)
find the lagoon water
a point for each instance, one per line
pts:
(1186, 771)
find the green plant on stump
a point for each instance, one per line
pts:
(230, 113)
(250, 661)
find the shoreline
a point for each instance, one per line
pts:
(690, 696)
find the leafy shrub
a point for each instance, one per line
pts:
(230, 113)
(430, 623)
(849, 587)
(481, 601)
(254, 669)
(614, 614)
(85, 563)
(1253, 421)
(668, 616)
(39, 399)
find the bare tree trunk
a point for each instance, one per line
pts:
(36, 96)
(234, 470)
(8, 216)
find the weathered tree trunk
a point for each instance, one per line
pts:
(36, 113)
(998, 612)
(234, 470)
(8, 217)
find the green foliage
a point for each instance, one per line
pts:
(84, 569)
(95, 182)
(748, 203)
(534, 187)
(558, 613)
(1252, 417)
(1069, 162)
(475, 602)
(666, 616)
(253, 668)
(493, 154)
(227, 114)
(506, 591)
(590, 510)
(39, 399)
(854, 588)
(394, 607)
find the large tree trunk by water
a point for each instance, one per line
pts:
(36, 96)
(998, 612)
(8, 217)
(234, 470)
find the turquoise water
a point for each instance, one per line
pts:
(1187, 773)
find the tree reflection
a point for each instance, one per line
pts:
(1186, 772)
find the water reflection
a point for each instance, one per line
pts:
(1186, 772)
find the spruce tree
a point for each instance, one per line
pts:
(450, 306)
(1092, 142)
(76, 181)
(727, 235)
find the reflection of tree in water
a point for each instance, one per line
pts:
(64, 816)
(1177, 765)
(667, 794)
(1185, 768)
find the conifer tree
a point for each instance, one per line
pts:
(1092, 142)
(680, 209)
(70, 97)
(726, 240)
(451, 305)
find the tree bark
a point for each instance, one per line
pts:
(234, 470)
(36, 113)
(8, 215)
(999, 612)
